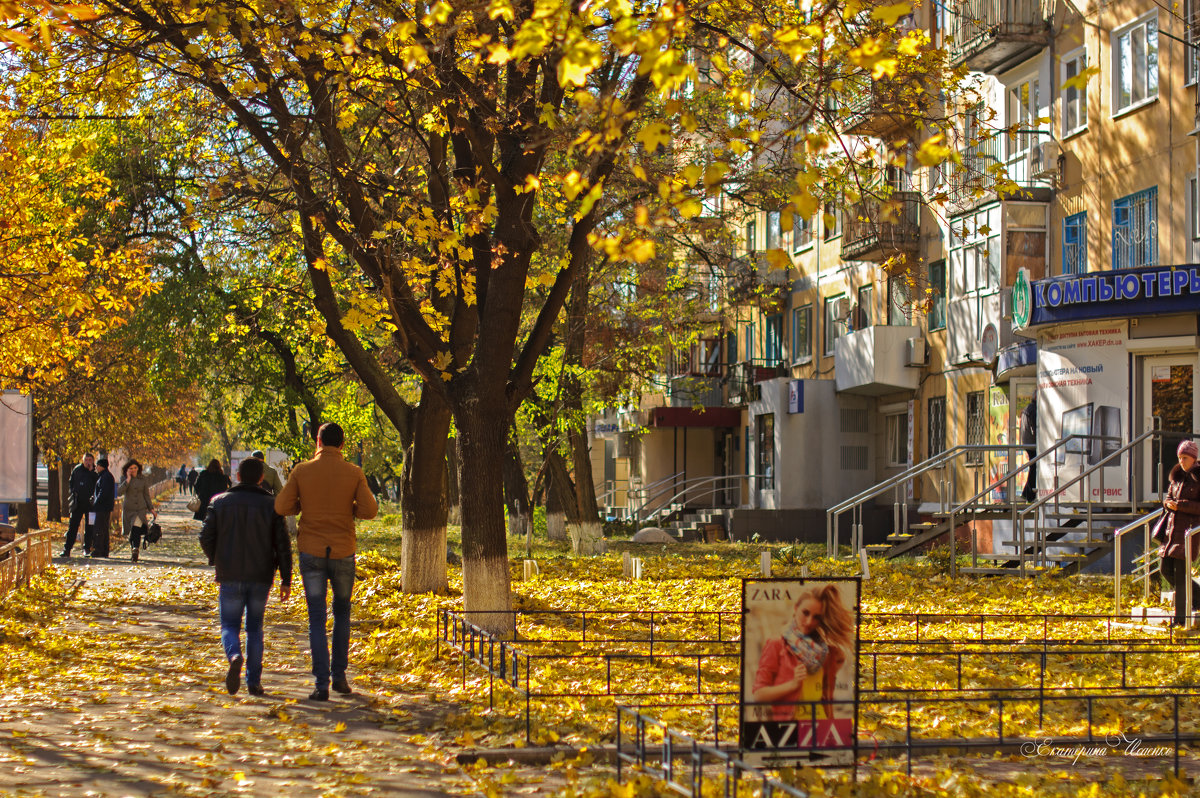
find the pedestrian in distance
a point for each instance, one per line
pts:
(181, 478)
(192, 476)
(246, 540)
(79, 501)
(1028, 431)
(328, 493)
(1181, 512)
(271, 480)
(212, 481)
(104, 499)
(138, 504)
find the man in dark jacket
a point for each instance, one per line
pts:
(104, 499)
(247, 542)
(79, 501)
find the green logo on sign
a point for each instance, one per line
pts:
(1022, 300)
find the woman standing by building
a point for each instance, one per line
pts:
(135, 489)
(1181, 507)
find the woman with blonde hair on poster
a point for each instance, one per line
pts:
(800, 667)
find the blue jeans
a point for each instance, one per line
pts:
(249, 599)
(317, 574)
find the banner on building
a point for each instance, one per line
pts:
(799, 686)
(1083, 408)
(16, 444)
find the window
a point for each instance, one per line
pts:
(861, 319)
(976, 428)
(899, 306)
(1074, 98)
(1025, 240)
(937, 295)
(774, 231)
(1135, 230)
(835, 326)
(731, 350)
(975, 252)
(801, 232)
(751, 237)
(1074, 254)
(802, 333)
(766, 450)
(935, 431)
(774, 342)
(832, 221)
(1023, 101)
(748, 343)
(896, 425)
(1191, 17)
(1194, 218)
(1135, 64)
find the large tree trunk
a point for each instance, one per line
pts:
(516, 490)
(423, 498)
(53, 497)
(561, 507)
(483, 424)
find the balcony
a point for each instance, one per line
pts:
(875, 361)
(875, 230)
(694, 391)
(888, 107)
(993, 35)
(745, 376)
(750, 279)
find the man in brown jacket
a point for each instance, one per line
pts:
(329, 494)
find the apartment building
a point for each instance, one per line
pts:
(1080, 291)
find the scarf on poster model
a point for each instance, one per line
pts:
(809, 650)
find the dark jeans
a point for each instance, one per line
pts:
(1174, 573)
(78, 517)
(317, 574)
(249, 599)
(99, 532)
(1030, 490)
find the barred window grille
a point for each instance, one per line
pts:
(1074, 254)
(976, 427)
(936, 425)
(1135, 230)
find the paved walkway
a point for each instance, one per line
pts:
(143, 709)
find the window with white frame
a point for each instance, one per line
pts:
(774, 233)
(1194, 218)
(1135, 230)
(831, 220)
(751, 236)
(835, 323)
(1191, 21)
(896, 426)
(1135, 63)
(1074, 95)
(802, 333)
(802, 236)
(975, 253)
(899, 302)
(1023, 101)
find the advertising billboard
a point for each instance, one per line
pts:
(16, 444)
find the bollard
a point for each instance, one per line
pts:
(804, 574)
(764, 563)
(626, 567)
(635, 568)
(530, 569)
(866, 567)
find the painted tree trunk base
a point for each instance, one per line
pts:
(556, 526)
(587, 540)
(423, 560)
(488, 603)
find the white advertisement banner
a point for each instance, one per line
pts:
(799, 670)
(16, 441)
(1082, 396)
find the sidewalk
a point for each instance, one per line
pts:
(146, 713)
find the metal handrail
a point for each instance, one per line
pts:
(1023, 514)
(697, 482)
(1145, 522)
(1189, 615)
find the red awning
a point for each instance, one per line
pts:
(696, 417)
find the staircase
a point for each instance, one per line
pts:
(1048, 534)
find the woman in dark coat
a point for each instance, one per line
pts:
(211, 481)
(1181, 506)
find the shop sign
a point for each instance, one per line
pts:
(1123, 292)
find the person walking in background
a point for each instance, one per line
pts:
(79, 502)
(104, 499)
(271, 480)
(192, 476)
(246, 540)
(138, 503)
(328, 493)
(1181, 512)
(181, 478)
(1028, 431)
(210, 482)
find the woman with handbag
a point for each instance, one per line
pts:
(1181, 512)
(135, 489)
(212, 480)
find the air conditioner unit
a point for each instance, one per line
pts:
(914, 352)
(1043, 159)
(841, 308)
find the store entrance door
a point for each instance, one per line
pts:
(1169, 402)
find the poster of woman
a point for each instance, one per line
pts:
(799, 670)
